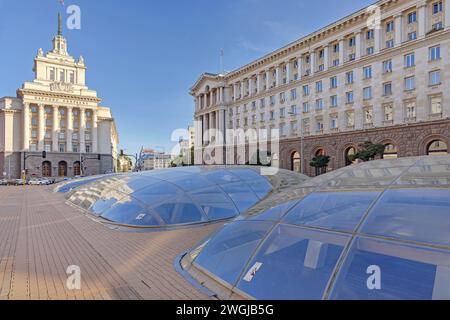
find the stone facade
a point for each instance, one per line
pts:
(378, 72)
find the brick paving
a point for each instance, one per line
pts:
(41, 236)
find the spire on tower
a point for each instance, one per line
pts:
(59, 25)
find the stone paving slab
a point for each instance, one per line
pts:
(41, 236)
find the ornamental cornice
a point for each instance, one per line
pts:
(10, 111)
(60, 95)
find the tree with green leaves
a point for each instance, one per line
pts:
(320, 163)
(368, 151)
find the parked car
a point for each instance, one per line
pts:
(3, 182)
(19, 182)
(40, 181)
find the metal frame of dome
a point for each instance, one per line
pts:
(175, 197)
(317, 241)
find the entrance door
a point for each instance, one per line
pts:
(76, 168)
(62, 169)
(46, 169)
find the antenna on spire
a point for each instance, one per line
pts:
(59, 25)
(222, 71)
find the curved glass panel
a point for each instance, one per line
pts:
(413, 214)
(377, 269)
(332, 210)
(69, 186)
(227, 253)
(176, 196)
(293, 263)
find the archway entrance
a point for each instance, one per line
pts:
(46, 169)
(390, 151)
(437, 148)
(77, 168)
(62, 169)
(350, 151)
(296, 162)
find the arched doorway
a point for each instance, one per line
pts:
(437, 148)
(296, 164)
(46, 169)
(62, 169)
(320, 152)
(350, 151)
(390, 151)
(77, 168)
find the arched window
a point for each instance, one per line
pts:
(390, 151)
(62, 169)
(437, 148)
(349, 152)
(296, 162)
(77, 168)
(46, 169)
(320, 152)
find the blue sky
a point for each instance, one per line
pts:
(144, 55)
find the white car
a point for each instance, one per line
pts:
(39, 182)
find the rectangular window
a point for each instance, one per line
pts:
(262, 103)
(321, 67)
(388, 112)
(349, 77)
(48, 134)
(62, 135)
(390, 44)
(410, 83)
(435, 78)
(390, 26)
(333, 101)
(370, 34)
(387, 66)
(387, 89)
(336, 62)
(351, 57)
(272, 100)
(334, 122)
(370, 50)
(282, 112)
(282, 97)
(434, 53)
(293, 110)
(436, 105)
(293, 94)
(367, 93)
(319, 126)
(305, 90)
(409, 60)
(352, 42)
(34, 121)
(62, 147)
(333, 82)
(321, 54)
(437, 26)
(75, 148)
(48, 147)
(305, 107)
(272, 115)
(412, 17)
(367, 72)
(52, 74)
(349, 97)
(319, 104)
(319, 87)
(62, 76)
(88, 148)
(412, 36)
(336, 48)
(72, 77)
(437, 7)
(410, 110)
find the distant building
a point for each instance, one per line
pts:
(150, 159)
(56, 112)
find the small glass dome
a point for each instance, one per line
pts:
(335, 234)
(178, 196)
(67, 186)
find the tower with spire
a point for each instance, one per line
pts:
(59, 42)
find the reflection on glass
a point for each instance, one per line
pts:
(241, 194)
(215, 203)
(178, 211)
(404, 272)
(226, 254)
(413, 214)
(332, 210)
(293, 263)
(130, 213)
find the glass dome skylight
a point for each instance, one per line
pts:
(325, 242)
(170, 197)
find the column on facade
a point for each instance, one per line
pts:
(206, 126)
(26, 126)
(220, 136)
(341, 51)
(377, 39)
(422, 19)
(69, 129)
(312, 62)
(398, 30)
(55, 135)
(250, 86)
(358, 45)
(94, 131)
(326, 57)
(288, 71)
(258, 83)
(267, 79)
(277, 76)
(41, 134)
(299, 68)
(82, 126)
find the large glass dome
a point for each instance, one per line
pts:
(172, 197)
(332, 237)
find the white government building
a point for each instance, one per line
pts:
(59, 114)
(379, 74)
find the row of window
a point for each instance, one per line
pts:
(61, 135)
(61, 148)
(61, 75)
